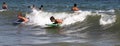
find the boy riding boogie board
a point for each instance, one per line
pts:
(56, 22)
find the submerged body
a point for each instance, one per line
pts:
(21, 19)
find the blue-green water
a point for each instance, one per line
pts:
(63, 5)
(97, 24)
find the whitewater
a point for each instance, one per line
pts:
(38, 17)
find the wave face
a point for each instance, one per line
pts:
(96, 24)
(41, 18)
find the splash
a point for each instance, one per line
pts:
(41, 18)
(76, 17)
(107, 17)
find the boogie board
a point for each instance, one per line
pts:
(53, 25)
(17, 22)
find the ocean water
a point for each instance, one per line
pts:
(96, 24)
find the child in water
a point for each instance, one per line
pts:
(21, 18)
(56, 21)
(4, 6)
(75, 8)
(41, 7)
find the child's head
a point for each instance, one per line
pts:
(75, 5)
(52, 19)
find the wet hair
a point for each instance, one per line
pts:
(75, 5)
(33, 5)
(52, 18)
(41, 6)
(20, 13)
(4, 3)
(28, 6)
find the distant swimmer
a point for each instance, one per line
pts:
(56, 21)
(21, 18)
(33, 7)
(75, 8)
(4, 5)
(41, 7)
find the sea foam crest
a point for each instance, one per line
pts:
(41, 18)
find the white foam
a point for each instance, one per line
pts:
(107, 16)
(107, 19)
(76, 18)
(3, 10)
(105, 11)
(42, 18)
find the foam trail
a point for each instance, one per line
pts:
(103, 11)
(107, 19)
(42, 18)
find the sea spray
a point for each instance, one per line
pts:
(107, 19)
(42, 18)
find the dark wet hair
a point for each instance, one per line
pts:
(33, 5)
(4, 3)
(41, 6)
(52, 18)
(75, 5)
(19, 13)
(28, 6)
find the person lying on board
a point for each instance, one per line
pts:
(56, 21)
(21, 18)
